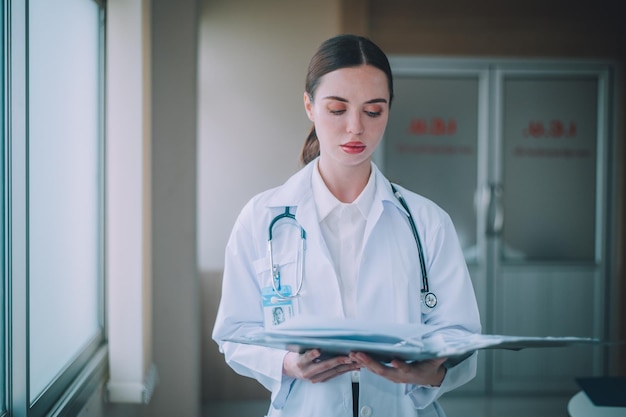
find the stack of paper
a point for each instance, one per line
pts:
(384, 342)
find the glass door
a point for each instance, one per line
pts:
(516, 154)
(546, 270)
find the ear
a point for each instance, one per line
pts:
(308, 104)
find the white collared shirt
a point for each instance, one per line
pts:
(343, 226)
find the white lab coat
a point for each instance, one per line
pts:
(388, 290)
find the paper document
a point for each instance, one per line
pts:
(384, 342)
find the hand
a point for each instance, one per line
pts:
(430, 372)
(305, 366)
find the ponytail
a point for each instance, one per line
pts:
(311, 148)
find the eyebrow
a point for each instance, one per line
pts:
(372, 101)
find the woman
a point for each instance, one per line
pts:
(360, 259)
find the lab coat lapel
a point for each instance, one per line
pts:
(322, 285)
(384, 194)
(377, 287)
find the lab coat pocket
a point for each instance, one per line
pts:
(284, 266)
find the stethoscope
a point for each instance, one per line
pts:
(428, 298)
(276, 284)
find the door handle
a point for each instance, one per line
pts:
(495, 211)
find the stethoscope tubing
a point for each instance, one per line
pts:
(416, 236)
(300, 260)
(429, 299)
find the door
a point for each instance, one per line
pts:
(515, 153)
(547, 232)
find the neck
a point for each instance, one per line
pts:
(345, 183)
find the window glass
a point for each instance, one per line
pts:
(550, 137)
(431, 145)
(64, 185)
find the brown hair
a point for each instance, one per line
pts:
(343, 51)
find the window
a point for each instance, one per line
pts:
(64, 185)
(54, 231)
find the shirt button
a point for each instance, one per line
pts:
(366, 411)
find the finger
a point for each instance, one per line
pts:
(439, 361)
(332, 363)
(310, 356)
(314, 369)
(399, 371)
(424, 372)
(372, 365)
(334, 372)
(401, 365)
(363, 359)
(306, 360)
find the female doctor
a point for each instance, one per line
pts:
(342, 246)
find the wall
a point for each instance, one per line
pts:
(253, 58)
(551, 28)
(174, 295)
(174, 132)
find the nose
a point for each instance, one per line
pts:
(355, 124)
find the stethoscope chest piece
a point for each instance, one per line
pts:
(430, 300)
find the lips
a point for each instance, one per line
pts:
(353, 147)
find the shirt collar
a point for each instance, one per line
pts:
(326, 202)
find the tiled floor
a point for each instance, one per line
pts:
(455, 406)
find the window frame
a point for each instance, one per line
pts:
(3, 310)
(66, 394)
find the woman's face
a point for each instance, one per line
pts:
(350, 112)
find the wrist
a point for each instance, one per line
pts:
(288, 364)
(439, 376)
